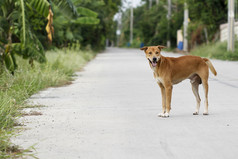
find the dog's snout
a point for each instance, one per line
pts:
(154, 59)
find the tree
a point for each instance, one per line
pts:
(90, 27)
(205, 16)
(18, 33)
(150, 25)
(96, 35)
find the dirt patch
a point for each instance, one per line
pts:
(31, 113)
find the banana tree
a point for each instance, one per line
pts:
(16, 35)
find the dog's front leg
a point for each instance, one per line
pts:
(163, 99)
(168, 94)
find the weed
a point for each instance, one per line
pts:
(216, 50)
(14, 90)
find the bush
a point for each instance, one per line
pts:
(216, 50)
(14, 90)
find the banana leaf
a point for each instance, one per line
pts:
(87, 20)
(87, 12)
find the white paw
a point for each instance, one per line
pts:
(165, 115)
(160, 114)
(195, 113)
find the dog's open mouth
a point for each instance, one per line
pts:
(154, 63)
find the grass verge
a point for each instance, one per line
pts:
(217, 51)
(14, 90)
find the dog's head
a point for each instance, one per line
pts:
(153, 54)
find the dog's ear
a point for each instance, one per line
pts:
(161, 47)
(144, 48)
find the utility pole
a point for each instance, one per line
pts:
(150, 4)
(185, 27)
(231, 36)
(169, 17)
(119, 26)
(131, 23)
(157, 2)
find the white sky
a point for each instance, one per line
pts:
(126, 4)
(135, 3)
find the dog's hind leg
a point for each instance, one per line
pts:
(205, 87)
(163, 99)
(195, 86)
(204, 76)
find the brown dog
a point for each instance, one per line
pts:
(169, 71)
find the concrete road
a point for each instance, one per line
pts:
(110, 112)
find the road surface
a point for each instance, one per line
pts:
(110, 112)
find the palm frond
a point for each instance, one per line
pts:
(41, 6)
(67, 7)
(69, 34)
(3, 25)
(1, 3)
(86, 12)
(33, 50)
(87, 21)
(9, 63)
(9, 59)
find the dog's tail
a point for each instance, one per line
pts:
(208, 62)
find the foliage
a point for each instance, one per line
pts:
(23, 39)
(41, 6)
(151, 24)
(216, 50)
(25, 35)
(17, 35)
(58, 70)
(205, 16)
(87, 34)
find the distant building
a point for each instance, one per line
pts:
(224, 31)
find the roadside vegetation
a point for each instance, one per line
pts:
(217, 51)
(14, 90)
(152, 26)
(40, 47)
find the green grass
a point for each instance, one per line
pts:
(217, 51)
(14, 90)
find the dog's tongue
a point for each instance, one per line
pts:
(154, 64)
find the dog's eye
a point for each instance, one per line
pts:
(157, 52)
(150, 53)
